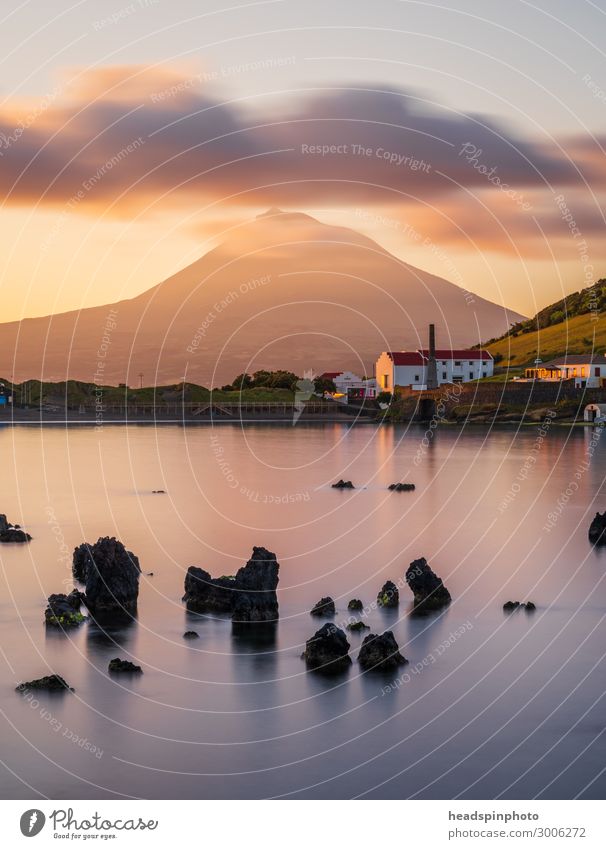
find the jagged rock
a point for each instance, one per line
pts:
(327, 650)
(112, 580)
(324, 607)
(63, 611)
(530, 605)
(81, 559)
(511, 605)
(357, 626)
(49, 682)
(389, 595)
(11, 533)
(428, 590)
(250, 595)
(355, 604)
(158, 492)
(119, 665)
(380, 652)
(341, 484)
(190, 635)
(597, 529)
(401, 487)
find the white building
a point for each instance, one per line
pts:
(409, 368)
(585, 370)
(350, 387)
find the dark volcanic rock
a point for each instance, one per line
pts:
(250, 596)
(119, 665)
(324, 607)
(401, 487)
(49, 682)
(191, 635)
(81, 559)
(357, 626)
(511, 605)
(428, 590)
(112, 580)
(530, 605)
(11, 533)
(597, 529)
(389, 595)
(355, 604)
(63, 611)
(327, 650)
(341, 484)
(380, 652)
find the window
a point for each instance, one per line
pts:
(457, 362)
(385, 381)
(471, 375)
(598, 371)
(444, 375)
(416, 378)
(483, 374)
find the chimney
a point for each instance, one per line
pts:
(431, 376)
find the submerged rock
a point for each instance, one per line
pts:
(380, 652)
(11, 533)
(328, 650)
(324, 607)
(401, 487)
(357, 627)
(514, 605)
(389, 595)
(341, 484)
(112, 580)
(63, 611)
(511, 605)
(49, 682)
(191, 635)
(355, 604)
(530, 605)
(428, 590)
(597, 529)
(119, 665)
(80, 560)
(250, 595)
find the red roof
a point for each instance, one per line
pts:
(406, 358)
(330, 375)
(474, 354)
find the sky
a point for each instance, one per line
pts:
(467, 138)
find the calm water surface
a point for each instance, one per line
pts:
(489, 706)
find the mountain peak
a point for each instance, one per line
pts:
(275, 212)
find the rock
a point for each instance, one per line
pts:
(389, 595)
(341, 484)
(250, 595)
(597, 529)
(190, 635)
(511, 605)
(112, 580)
(49, 682)
(11, 533)
(328, 650)
(324, 607)
(380, 653)
(158, 492)
(401, 487)
(357, 627)
(530, 605)
(355, 604)
(428, 590)
(63, 611)
(119, 665)
(80, 560)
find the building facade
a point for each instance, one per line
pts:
(585, 370)
(350, 387)
(409, 368)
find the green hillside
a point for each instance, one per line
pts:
(573, 325)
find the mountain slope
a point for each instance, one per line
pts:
(283, 291)
(574, 325)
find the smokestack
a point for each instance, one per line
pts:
(431, 378)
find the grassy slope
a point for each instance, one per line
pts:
(574, 336)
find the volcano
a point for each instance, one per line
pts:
(282, 291)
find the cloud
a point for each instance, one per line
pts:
(124, 137)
